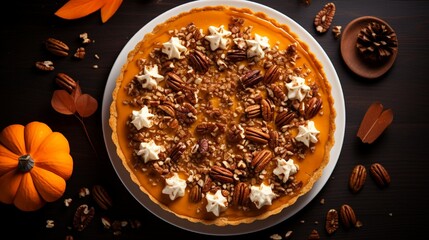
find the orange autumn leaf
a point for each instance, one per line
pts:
(63, 102)
(109, 9)
(86, 105)
(75, 9)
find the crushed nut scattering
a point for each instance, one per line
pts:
(215, 115)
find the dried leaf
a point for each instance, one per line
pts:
(74, 9)
(109, 9)
(86, 105)
(77, 92)
(374, 122)
(63, 102)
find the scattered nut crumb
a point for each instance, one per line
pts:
(276, 237)
(316, 222)
(96, 56)
(83, 192)
(336, 30)
(80, 53)
(67, 202)
(390, 214)
(106, 222)
(50, 223)
(358, 224)
(45, 65)
(322, 201)
(85, 38)
(302, 221)
(288, 234)
(95, 66)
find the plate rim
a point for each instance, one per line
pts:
(257, 225)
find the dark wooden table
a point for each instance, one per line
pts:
(397, 212)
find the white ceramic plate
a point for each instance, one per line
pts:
(142, 198)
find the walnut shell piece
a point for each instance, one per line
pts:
(380, 175)
(324, 18)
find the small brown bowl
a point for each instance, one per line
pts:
(351, 56)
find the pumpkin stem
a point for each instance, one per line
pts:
(25, 163)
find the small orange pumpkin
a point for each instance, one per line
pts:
(35, 163)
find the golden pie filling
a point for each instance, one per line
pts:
(222, 116)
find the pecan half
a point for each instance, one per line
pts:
(168, 108)
(186, 113)
(267, 108)
(83, 217)
(65, 82)
(272, 74)
(313, 107)
(177, 151)
(256, 135)
(236, 55)
(276, 93)
(221, 174)
(274, 139)
(206, 128)
(199, 61)
(331, 223)
(234, 134)
(57, 47)
(380, 175)
(241, 194)
(195, 194)
(324, 18)
(101, 197)
(175, 82)
(347, 216)
(261, 160)
(45, 65)
(251, 78)
(357, 178)
(284, 117)
(253, 111)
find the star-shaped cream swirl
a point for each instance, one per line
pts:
(216, 203)
(150, 77)
(297, 89)
(307, 133)
(174, 186)
(142, 118)
(217, 37)
(285, 169)
(255, 48)
(261, 195)
(173, 48)
(149, 151)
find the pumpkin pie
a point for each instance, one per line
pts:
(223, 116)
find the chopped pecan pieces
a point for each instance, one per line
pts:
(251, 78)
(221, 174)
(256, 135)
(261, 160)
(234, 134)
(324, 18)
